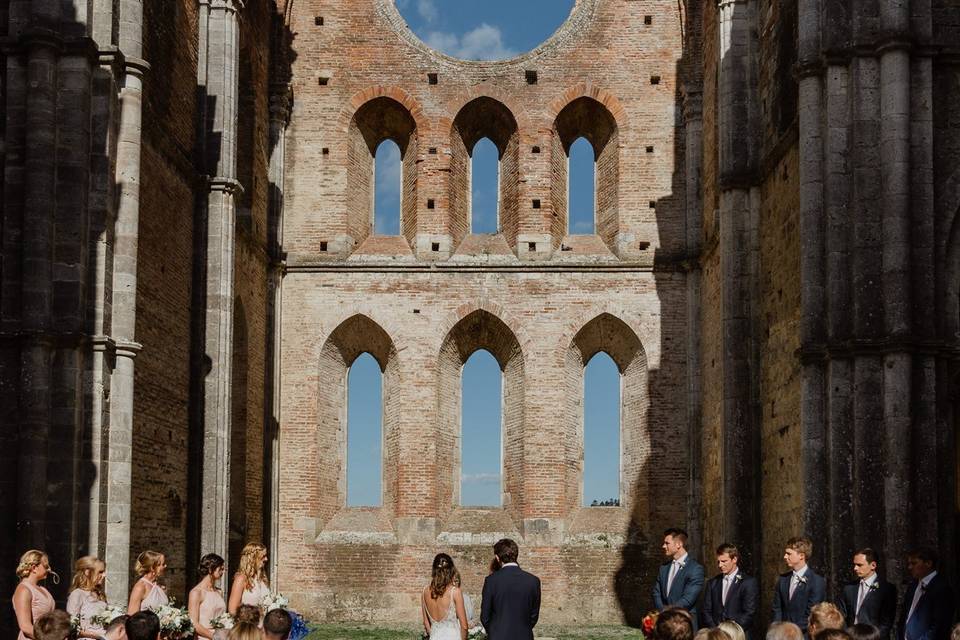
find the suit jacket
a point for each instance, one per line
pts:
(807, 594)
(741, 606)
(933, 616)
(879, 605)
(511, 604)
(685, 589)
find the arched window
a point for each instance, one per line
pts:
(387, 173)
(484, 187)
(601, 432)
(364, 433)
(481, 431)
(581, 185)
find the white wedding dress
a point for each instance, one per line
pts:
(449, 627)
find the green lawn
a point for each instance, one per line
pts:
(366, 632)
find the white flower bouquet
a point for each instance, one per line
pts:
(274, 601)
(476, 633)
(223, 621)
(108, 614)
(174, 622)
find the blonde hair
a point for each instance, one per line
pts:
(823, 616)
(147, 562)
(85, 576)
(29, 560)
(250, 564)
(244, 631)
(732, 629)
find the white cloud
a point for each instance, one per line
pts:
(482, 43)
(427, 10)
(481, 478)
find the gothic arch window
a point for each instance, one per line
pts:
(364, 432)
(481, 431)
(601, 432)
(376, 121)
(388, 187)
(482, 118)
(581, 188)
(484, 187)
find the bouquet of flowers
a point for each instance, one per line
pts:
(223, 621)
(649, 623)
(174, 622)
(476, 633)
(75, 625)
(108, 614)
(274, 601)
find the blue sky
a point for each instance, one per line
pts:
(475, 29)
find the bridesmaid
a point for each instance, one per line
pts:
(250, 584)
(86, 597)
(30, 600)
(146, 593)
(204, 603)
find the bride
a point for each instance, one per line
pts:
(444, 617)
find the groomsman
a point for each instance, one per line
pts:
(681, 577)
(731, 595)
(800, 588)
(928, 603)
(871, 599)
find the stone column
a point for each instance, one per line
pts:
(217, 78)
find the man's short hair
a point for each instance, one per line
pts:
(801, 545)
(277, 623)
(784, 631)
(507, 550)
(925, 554)
(54, 625)
(825, 615)
(870, 554)
(674, 624)
(677, 534)
(728, 549)
(833, 634)
(954, 634)
(143, 625)
(119, 621)
(864, 631)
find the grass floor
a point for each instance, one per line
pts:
(365, 632)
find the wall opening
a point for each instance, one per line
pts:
(481, 427)
(364, 433)
(237, 526)
(601, 432)
(581, 188)
(484, 187)
(388, 186)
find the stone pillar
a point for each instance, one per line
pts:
(217, 79)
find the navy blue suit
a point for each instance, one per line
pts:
(685, 589)
(511, 604)
(879, 606)
(933, 616)
(741, 606)
(811, 591)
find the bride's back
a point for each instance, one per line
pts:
(442, 608)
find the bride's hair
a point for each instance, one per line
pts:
(443, 575)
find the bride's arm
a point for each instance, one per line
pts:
(461, 613)
(423, 612)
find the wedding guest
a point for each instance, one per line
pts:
(731, 595)
(871, 599)
(673, 623)
(244, 630)
(116, 630)
(147, 593)
(277, 624)
(143, 625)
(862, 631)
(53, 625)
(823, 616)
(928, 601)
(30, 599)
(732, 629)
(955, 634)
(87, 597)
(249, 614)
(681, 577)
(205, 602)
(833, 634)
(701, 634)
(800, 588)
(717, 633)
(784, 631)
(250, 583)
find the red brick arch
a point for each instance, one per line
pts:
(590, 90)
(411, 104)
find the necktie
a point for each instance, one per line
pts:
(673, 574)
(916, 598)
(727, 580)
(794, 581)
(860, 596)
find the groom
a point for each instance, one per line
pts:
(511, 597)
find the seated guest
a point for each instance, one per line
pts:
(731, 595)
(871, 599)
(716, 634)
(733, 630)
(143, 625)
(928, 601)
(54, 625)
(833, 634)
(276, 624)
(798, 589)
(784, 631)
(955, 634)
(673, 624)
(823, 616)
(863, 631)
(115, 630)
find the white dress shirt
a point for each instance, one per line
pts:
(862, 592)
(919, 592)
(795, 579)
(727, 583)
(675, 569)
